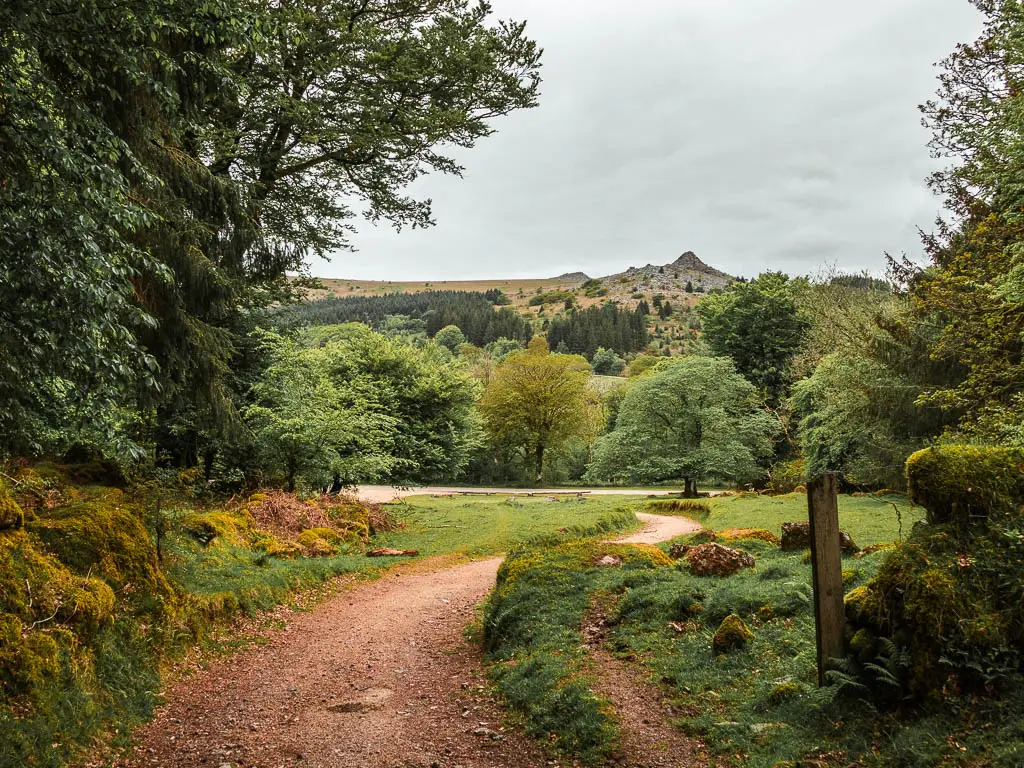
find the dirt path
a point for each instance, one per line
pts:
(660, 528)
(376, 677)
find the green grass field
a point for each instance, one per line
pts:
(869, 519)
(489, 525)
(758, 706)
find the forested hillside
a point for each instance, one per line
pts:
(475, 314)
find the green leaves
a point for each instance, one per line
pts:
(758, 325)
(693, 418)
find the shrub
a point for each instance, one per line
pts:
(961, 482)
(947, 611)
(786, 476)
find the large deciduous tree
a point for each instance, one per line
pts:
(340, 405)
(537, 401)
(759, 326)
(691, 419)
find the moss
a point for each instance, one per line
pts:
(220, 528)
(319, 542)
(352, 517)
(732, 634)
(760, 534)
(107, 540)
(783, 692)
(864, 645)
(958, 483)
(35, 587)
(11, 515)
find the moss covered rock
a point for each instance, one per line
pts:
(106, 539)
(948, 606)
(961, 483)
(320, 542)
(11, 515)
(732, 634)
(715, 560)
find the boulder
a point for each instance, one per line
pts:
(713, 559)
(733, 634)
(797, 535)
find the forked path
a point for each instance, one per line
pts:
(379, 676)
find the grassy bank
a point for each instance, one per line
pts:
(757, 705)
(101, 587)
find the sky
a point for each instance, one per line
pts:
(760, 134)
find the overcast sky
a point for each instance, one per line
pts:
(760, 134)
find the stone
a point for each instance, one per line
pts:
(713, 559)
(797, 535)
(610, 561)
(677, 551)
(733, 634)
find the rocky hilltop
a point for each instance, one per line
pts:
(675, 276)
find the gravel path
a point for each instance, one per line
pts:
(378, 676)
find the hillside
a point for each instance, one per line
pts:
(671, 279)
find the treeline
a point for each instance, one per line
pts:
(474, 313)
(583, 331)
(164, 167)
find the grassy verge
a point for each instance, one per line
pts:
(89, 616)
(757, 706)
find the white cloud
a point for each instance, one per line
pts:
(762, 134)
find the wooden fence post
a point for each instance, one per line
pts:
(827, 567)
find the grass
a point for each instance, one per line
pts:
(869, 519)
(74, 679)
(488, 525)
(757, 707)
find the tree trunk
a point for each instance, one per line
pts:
(690, 488)
(540, 463)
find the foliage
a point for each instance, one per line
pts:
(944, 614)
(609, 326)
(760, 706)
(859, 418)
(344, 405)
(473, 313)
(971, 293)
(450, 337)
(690, 419)
(538, 400)
(759, 326)
(165, 164)
(967, 484)
(606, 363)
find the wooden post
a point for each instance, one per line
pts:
(827, 567)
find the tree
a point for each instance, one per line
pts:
(450, 337)
(690, 419)
(972, 294)
(538, 401)
(167, 164)
(758, 326)
(340, 405)
(607, 363)
(858, 418)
